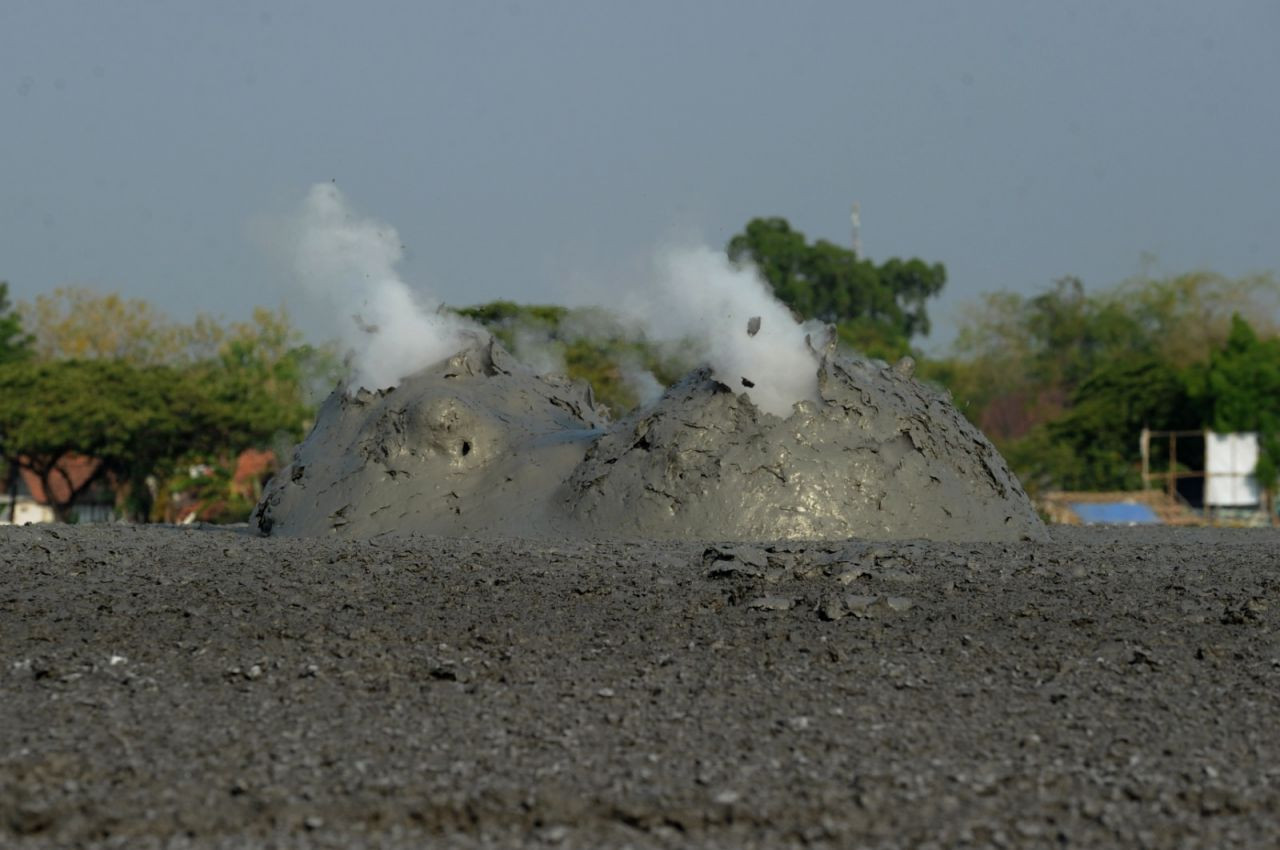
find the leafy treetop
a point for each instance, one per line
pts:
(14, 343)
(878, 308)
(115, 380)
(1240, 391)
(1064, 381)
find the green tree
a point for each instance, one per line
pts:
(1018, 361)
(1024, 357)
(141, 422)
(1187, 317)
(1100, 429)
(1239, 390)
(116, 380)
(102, 409)
(503, 318)
(876, 308)
(15, 344)
(255, 383)
(74, 323)
(267, 378)
(1064, 380)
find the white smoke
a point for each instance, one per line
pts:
(694, 298)
(697, 295)
(350, 263)
(537, 350)
(641, 383)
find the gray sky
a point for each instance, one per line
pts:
(537, 151)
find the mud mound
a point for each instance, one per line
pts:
(883, 457)
(482, 445)
(478, 444)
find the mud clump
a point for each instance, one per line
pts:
(481, 445)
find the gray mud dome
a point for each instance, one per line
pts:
(883, 457)
(482, 445)
(477, 444)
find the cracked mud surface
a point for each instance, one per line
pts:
(205, 688)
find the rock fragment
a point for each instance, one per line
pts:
(899, 577)
(860, 605)
(772, 603)
(722, 562)
(832, 607)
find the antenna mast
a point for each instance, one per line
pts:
(856, 218)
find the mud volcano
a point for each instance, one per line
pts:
(475, 445)
(481, 445)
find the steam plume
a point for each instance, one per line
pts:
(697, 294)
(695, 297)
(350, 263)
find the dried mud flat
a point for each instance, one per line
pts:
(205, 688)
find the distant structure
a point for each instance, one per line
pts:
(1224, 489)
(856, 218)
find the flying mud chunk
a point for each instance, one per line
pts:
(481, 445)
(477, 444)
(881, 457)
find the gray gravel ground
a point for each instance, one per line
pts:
(204, 688)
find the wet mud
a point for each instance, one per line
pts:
(482, 445)
(207, 688)
(478, 444)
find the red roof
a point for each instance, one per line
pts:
(253, 465)
(78, 468)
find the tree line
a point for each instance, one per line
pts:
(1062, 381)
(108, 378)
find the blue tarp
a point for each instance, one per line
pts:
(1114, 513)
